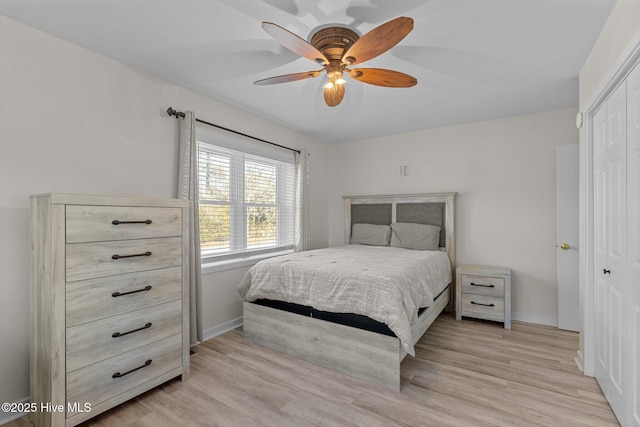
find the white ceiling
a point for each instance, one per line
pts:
(474, 59)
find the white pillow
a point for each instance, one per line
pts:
(415, 236)
(370, 234)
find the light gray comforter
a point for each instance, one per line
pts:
(386, 284)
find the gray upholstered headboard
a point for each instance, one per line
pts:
(435, 209)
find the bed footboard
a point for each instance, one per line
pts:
(369, 356)
(366, 355)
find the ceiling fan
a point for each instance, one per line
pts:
(337, 47)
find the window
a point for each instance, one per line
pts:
(246, 200)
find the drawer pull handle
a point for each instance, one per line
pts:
(605, 271)
(121, 334)
(480, 284)
(119, 294)
(148, 253)
(118, 222)
(119, 375)
(486, 305)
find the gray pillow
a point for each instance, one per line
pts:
(415, 236)
(370, 234)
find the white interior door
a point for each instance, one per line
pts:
(600, 322)
(633, 242)
(615, 274)
(610, 254)
(567, 231)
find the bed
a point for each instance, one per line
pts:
(342, 318)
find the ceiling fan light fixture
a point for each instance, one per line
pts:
(334, 82)
(336, 47)
(333, 95)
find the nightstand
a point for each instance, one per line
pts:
(484, 292)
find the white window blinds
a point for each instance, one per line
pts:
(246, 201)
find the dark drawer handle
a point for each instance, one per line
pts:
(480, 284)
(118, 222)
(121, 334)
(119, 294)
(148, 253)
(486, 305)
(605, 271)
(119, 375)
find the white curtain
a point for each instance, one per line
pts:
(188, 189)
(302, 201)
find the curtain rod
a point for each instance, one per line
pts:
(172, 112)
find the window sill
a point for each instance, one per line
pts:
(230, 264)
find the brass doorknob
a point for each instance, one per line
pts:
(564, 246)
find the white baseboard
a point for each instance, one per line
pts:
(545, 321)
(7, 417)
(579, 361)
(221, 329)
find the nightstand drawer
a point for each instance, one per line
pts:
(483, 285)
(482, 304)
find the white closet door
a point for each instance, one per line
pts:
(611, 250)
(600, 247)
(615, 272)
(633, 243)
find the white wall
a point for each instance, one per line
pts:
(74, 121)
(620, 35)
(504, 174)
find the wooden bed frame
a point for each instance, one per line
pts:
(370, 356)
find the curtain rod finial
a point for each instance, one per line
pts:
(172, 112)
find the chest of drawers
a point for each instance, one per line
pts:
(484, 292)
(109, 302)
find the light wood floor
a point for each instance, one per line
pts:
(468, 373)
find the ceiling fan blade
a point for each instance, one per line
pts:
(294, 43)
(285, 78)
(382, 77)
(378, 40)
(333, 95)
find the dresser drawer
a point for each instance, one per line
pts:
(483, 304)
(94, 299)
(99, 223)
(98, 259)
(94, 341)
(95, 383)
(483, 285)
